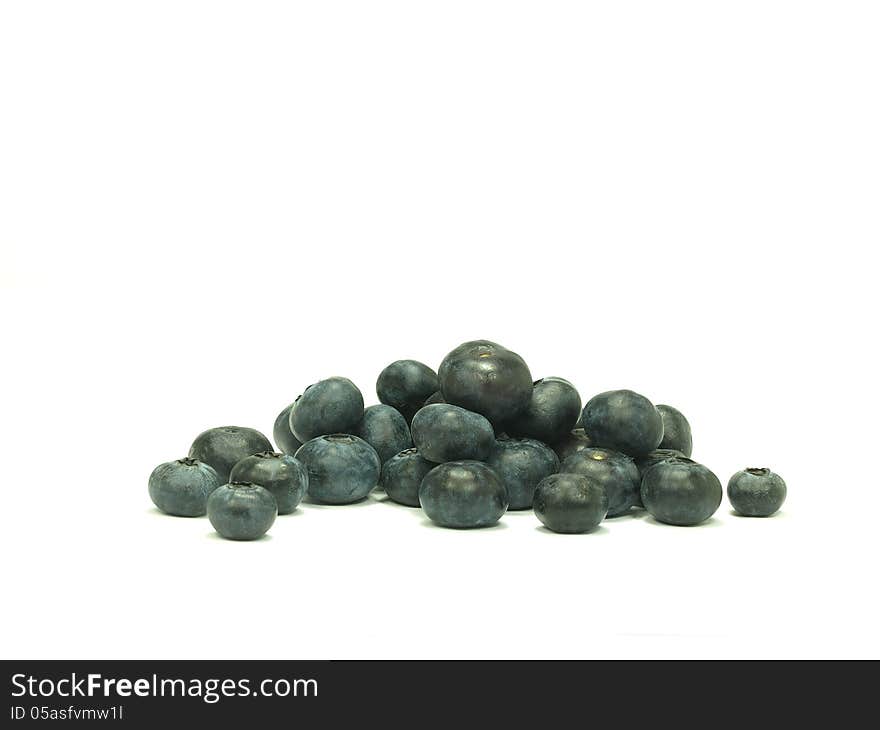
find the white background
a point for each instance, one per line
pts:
(207, 206)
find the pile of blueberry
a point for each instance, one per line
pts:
(465, 444)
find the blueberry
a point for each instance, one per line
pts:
(385, 429)
(655, 457)
(463, 494)
(570, 503)
(756, 492)
(443, 432)
(676, 430)
(241, 511)
(330, 406)
(680, 492)
(284, 476)
(406, 385)
(486, 378)
(623, 421)
(551, 414)
(521, 464)
(342, 468)
(402, 476)
(284, 438)
(182, 487)
(225, 446)
(616, 473)
(575, 441)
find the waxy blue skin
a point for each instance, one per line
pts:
(486, 378)
(342, 468)
(402, 476)
(225, 446)
(615, 472)
(575, 441)
(241, 511)
(406, 385)
(333, 405)
(623, 421)
(444, 432)
(284, 438)
(570, 503)
(551, 413)
(680, 492)
(463, 494)
(281, 474)
(521, 464)
(181, 488)
(655, 457)
(756, 492)
(384, 428)
(676, 430)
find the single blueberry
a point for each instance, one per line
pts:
(623, 421)
(463, 494)
(443, 432)
(284, 476)
(486, 378)
(551, 414)
(384, 428)
(284, 438)
(333, 405)
(342, 468)
(756, 492)
(575, 441)
(225, 446)
(406, 385)
(570, 503)
(182, 487)
(241, 511)
(676, 430)
(521, 464)
(680, 492)
(616, 473)
(402, 476)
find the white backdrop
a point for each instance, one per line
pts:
(209, 205)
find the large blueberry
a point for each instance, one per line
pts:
(342, 468)
(573, 442)
(676, 430)
(385, 429)
(242, 511)
(521, 464)
(616, 473)
(463, 494)
(406, 385)
(284, 438)
(402, 476)
(225, 446)
(756, 492)
(333, 405)
(182, 487)
(443, 432)
(623, 421)
(486, 378)
(551, 414)
(284, 476)
(570, 503)
(680, 492)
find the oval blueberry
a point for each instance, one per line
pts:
(333, 405)
(225, 446)
(342, 468)
(406, 385)
(616, 473)
(384, 428)
(756, 492)
(402, 476)
(284, 438)
(623, 421)
(521, 464)
(676, 430)
(570, 503)
(281, 474)
(444, 432)
(551, 413)
(463, 494)
(241, 511)
(681, 492)
(182, 487)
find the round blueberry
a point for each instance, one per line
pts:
(443, 432)
(570, 503)
(385, 429)
(330, 406)
(225, 446)
(681, 492)
(284, 476)
(463, 494)
(182, 487)
(342, 468)
(756, 492)
(575, 441)
(551, 414)
(623, 421)
(521, 464)
(616, 473)
(486, 378)
(284, 438)
(241, 511)
(676, 430)
(402, 476)
(406, 385)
